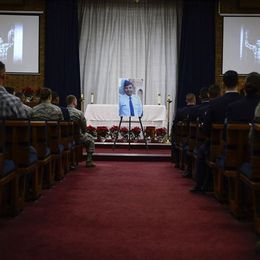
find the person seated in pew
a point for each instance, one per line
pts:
(192, 115)
(216, 114)
(87, 139)
(27, 108)
(56, 101)
(213, 92)
(243, 110)
(46, 110)
(180, 115)
(195, 111)
(10, 106)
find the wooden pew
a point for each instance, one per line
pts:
(235, 154)
(78, 152)
(182, 131)
(18, 143)
(55, 144)
(250, 176)
(7, 179)
(200, 139)
(39, 137)
(65, 140)
(191, 144)
(216, 147)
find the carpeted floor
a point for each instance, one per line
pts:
(125, 210)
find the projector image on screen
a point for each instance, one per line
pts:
(19, 43)
(241, 44)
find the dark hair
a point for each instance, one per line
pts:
(252, 84)
(204, 93)
(127, 83)
(214, 91)
(10, 90)
(2, 68)
(45, 94)
(230, 79)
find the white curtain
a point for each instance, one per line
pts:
(125, 39)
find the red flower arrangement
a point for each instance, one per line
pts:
(136, 131)
(102, 131)
(114, 129)
(160, 132)
(124, 131)
(91, 130)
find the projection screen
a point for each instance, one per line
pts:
(241, 44)
(19, 42)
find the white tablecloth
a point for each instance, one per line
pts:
(107, 115)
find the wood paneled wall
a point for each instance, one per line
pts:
(20, 81)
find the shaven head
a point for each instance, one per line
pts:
(45, 94)
(71, 100)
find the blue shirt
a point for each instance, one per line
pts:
(124, 109)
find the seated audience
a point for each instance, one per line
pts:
(56, 101)
(216, 114)
(87, 139)
(243, 110)
(214, 92)
(180, 115)
(10, 106)
(46, 110)
(27, 108)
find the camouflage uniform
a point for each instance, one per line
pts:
(86, 138)
(46, 111)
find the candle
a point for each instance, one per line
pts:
(91, 98)
(81, 96)
(159, 99)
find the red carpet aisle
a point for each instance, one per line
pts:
(125, 210)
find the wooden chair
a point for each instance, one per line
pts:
(250, 174)
(182, 137)
(65, 140)
(18, 143)
(7, 179)
(39, 137)
(216, 146)
(78, 147)
(72, 147)
(191, 143)
(56, 146)
(200, 139)
(234, 155)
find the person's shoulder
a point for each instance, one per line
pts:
(74, 110)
